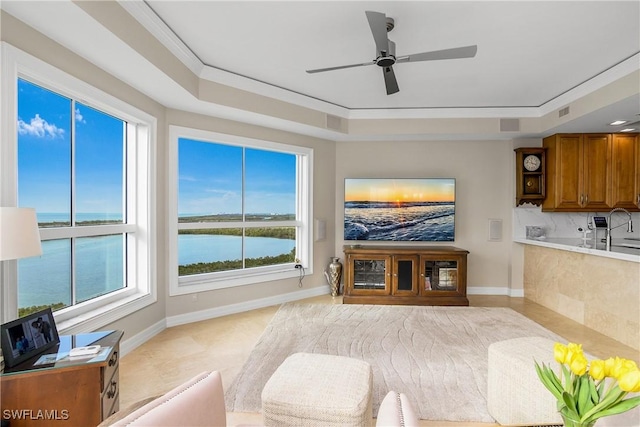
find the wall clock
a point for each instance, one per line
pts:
(530, 173)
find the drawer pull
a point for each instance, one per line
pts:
(113, 387)
(114, 358)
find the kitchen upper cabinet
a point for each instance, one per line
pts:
(578, 172)
(625, 164)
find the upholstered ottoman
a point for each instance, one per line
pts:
(318, 390)
(515, 395)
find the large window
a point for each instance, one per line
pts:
(71, 169)
(242, 210)
(82, 160)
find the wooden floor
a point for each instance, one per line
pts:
(223, 344)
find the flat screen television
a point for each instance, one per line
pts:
(400, 209)
(28, 336)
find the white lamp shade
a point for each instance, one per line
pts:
(19, 234)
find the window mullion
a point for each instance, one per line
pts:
(72, 208)
(72, 266)
(244, 181)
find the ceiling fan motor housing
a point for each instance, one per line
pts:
(387, 59)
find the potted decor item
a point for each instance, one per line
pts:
(587, 391)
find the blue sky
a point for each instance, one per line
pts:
(44, 154)
(210, 179)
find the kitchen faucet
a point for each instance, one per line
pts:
(609, 227)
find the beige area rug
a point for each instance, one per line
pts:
(436, 355)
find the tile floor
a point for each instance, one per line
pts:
(181, 352)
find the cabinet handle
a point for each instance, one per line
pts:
(114, 358)
(639, 200)
(581, 199)
(586, 198)
(113, 387)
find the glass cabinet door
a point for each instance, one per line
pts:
(370, 275)
(440, 275)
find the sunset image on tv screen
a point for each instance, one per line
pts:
(405, 209)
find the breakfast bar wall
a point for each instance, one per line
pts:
(599, 292)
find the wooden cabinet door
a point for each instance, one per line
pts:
(596, 188)
(625, 177)
(404, 276)
(638, 171)
(568, 172)
(579, 172)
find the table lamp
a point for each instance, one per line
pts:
(19, 234)
(19, 238)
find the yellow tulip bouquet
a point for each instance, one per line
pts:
(587, 391)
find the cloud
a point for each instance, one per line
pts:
(79, 118)
(40, 128)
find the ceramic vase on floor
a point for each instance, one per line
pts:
(333, 274)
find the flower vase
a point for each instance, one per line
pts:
(570, 422)
(333, 276)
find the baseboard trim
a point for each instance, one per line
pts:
(481, 290)
(211, 313)
(130, 344)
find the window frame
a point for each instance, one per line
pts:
(141, 289)
(181, 285)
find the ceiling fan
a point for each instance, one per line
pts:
(386, 52)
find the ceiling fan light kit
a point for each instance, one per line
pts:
(380, 25)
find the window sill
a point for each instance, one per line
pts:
(191, 284)
(102, 316)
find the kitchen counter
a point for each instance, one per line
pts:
(578, 245)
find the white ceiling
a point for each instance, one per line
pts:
(533, 56)
(529, 52)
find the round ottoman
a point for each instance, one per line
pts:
(318, 390)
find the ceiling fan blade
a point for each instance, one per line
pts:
(378, 24)
(454, 53)
(390, 80)
(340, 67)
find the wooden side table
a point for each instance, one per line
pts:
(53, 389)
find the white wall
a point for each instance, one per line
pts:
(484, 190)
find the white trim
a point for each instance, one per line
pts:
(130, 344)
(197, 316)
(481, 290)
(142, 13)
(142, 290)
(8, 172)
(590, 86)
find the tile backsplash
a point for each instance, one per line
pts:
(566, 224)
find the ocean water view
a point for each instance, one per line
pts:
(414, 221)
(99, 268)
